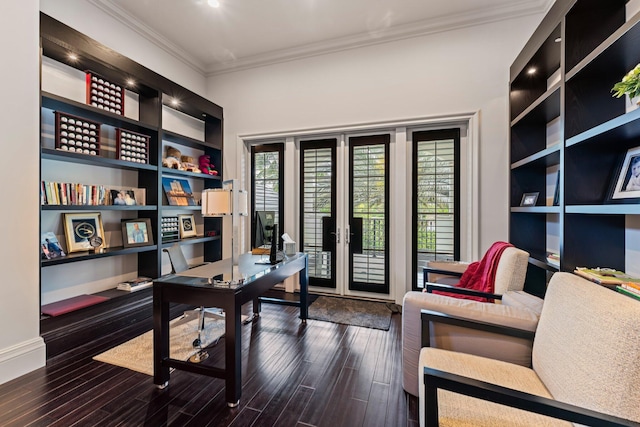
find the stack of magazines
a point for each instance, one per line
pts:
(135, 284)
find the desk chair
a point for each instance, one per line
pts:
(179, 264)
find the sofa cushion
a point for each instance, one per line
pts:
(587, 346)
(515, 350)
(458, 410)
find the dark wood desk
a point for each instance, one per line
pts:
(194, 287)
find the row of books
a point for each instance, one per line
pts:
(66, 193)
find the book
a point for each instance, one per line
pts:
(627, 292)
(178, 192)
(630, 288)
(135, 284)
(605, 276)
(553, 258)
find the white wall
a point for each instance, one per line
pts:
(83, 16)
(21, 348)
(453, 72)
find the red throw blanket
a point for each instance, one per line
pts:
(481, 275)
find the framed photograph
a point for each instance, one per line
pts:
(123, 197)
(627, 184)
(136, 232)
(529, 199)
(50, 246)
(178, 192)
(83, 231)
(187, 225)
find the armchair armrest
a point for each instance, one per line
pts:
(435, 379)
(427, 270)
(430, 287)
(427, 316)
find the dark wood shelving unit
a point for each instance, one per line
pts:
(587, 45)
(124, 309)
(98, 208)
(107, 252)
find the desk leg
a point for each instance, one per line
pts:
(257, 307)
(160, 338)
(232, 352)
(304, 291)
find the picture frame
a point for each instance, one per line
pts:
(50, 246)
(529, 199)
(627, 183)
(187, 224)
(123, 197)
(83, 231)
(136, 232)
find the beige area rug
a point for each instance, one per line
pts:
(137, 354)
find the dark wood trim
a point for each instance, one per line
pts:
(430, 287)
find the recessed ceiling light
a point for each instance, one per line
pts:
(558, 40)
(131, 82)
(213, 3)
(532, 70)
(72, 57)
(175, 102)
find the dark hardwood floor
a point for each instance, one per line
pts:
(321, 374)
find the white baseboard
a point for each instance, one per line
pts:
(22, 358)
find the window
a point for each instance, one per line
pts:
(267, 184)
(436, 198)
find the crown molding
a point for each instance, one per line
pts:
(122, 16)
(512, 10)
(422, 28)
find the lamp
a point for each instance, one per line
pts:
(227, 201)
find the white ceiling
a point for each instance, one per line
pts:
(247, 33)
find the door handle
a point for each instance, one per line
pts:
(347, 235)
(337, 235)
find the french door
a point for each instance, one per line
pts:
(344, 212)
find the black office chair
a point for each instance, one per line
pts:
(179, 264)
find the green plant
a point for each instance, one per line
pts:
(630, 84)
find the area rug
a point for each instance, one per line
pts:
(368, 314)
(137, 354)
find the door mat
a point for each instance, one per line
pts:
(347, 311)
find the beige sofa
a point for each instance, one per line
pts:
(518, 309)
(585, 367)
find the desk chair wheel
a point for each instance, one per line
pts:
(197, 343)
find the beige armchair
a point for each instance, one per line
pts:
(518, 309)
(584, 370)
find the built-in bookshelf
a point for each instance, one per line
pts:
(129, 121)
(569, 138)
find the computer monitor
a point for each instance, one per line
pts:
(264, 228)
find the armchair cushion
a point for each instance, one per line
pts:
(515, 350)
(475, 412)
